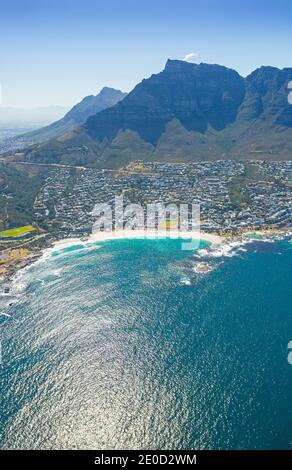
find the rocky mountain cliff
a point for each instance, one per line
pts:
(186, 112)
(75, 117)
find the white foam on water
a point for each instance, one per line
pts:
(226, 250)
(85, 248)
(203, 252)
(185, 281)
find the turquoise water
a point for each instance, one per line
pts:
(107, 348)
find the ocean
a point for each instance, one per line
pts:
(122, 345)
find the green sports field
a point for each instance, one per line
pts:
(16, 232)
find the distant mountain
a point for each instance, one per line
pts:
(80, 113)
(74, 118)
(187, 112)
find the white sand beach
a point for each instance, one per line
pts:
(140, 234)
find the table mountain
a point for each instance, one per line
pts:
(187, 112)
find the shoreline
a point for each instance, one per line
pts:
(141, 234)
(213, 239)
(11, 270)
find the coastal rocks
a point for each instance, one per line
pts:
(17, 259)
(203, 268)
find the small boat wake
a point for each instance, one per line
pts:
(5, 314)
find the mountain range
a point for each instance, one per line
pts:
(187, 112)
(73, 118)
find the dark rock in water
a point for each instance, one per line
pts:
(6, 290)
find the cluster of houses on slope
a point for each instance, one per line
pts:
(266, 203)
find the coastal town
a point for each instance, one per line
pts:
(235, 197)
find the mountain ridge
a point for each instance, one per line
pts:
(75, 117)
(187, 112)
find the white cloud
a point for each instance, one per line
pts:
(189, 57)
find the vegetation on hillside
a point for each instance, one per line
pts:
(19, 185)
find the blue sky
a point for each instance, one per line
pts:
(56, 52)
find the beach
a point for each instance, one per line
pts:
(141, 234)
(221, 245)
